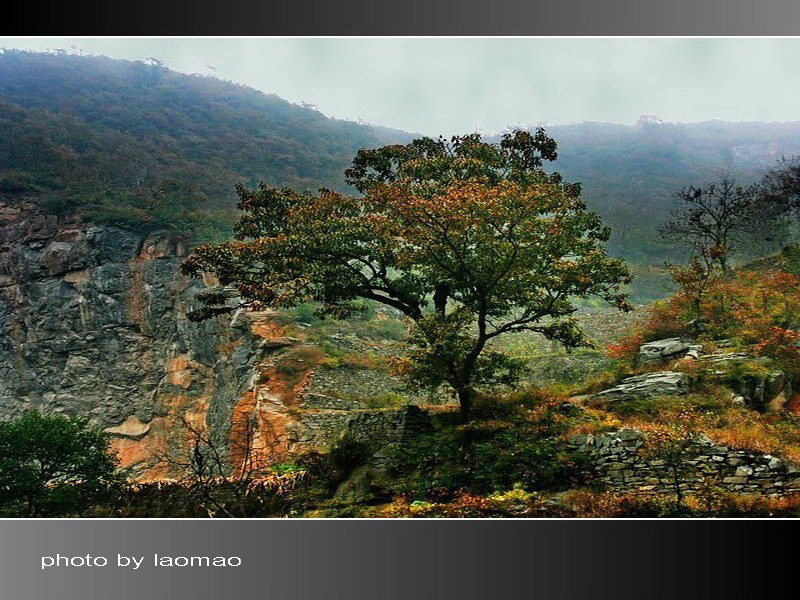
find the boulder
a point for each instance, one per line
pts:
(364, 485)
(648, 385)
(721, 358)
(766, 393)
(661, 350)
(694, 352)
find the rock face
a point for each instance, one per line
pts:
(93, 323)
(764, 388)
(767, 393)
(649, 385)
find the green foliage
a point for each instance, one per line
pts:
(345, 455)
(299, 359)
(514, 442)
(75, 127)
(53, 466)
(468, 240)
(132, 143)
(709, 400)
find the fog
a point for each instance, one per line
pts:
(448, 85)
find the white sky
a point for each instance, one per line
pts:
(441, 85)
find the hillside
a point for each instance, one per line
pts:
(630, 173)
(136, 144)
(112, 171)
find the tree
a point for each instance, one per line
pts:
(53, 465)
(694, 282)
(779, 192)
(677, 446)
(469, 240)
(782, 184)
(712, 220)
(231, 480)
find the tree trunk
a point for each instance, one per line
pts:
(723, 263)
(466, 395)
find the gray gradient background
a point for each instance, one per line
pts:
(442, 17)
(375, 560)
(411, 560)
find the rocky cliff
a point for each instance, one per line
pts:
(93, 323)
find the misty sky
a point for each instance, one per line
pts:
(448, 86)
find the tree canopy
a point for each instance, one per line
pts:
(469, 240)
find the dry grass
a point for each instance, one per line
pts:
(712, 413)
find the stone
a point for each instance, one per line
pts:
(725, 357)
(734, 479)
(90, 324)
(569, 408)
(662, 350)
(321, 401)
(629, 433)
(361, 487)
(765, 393)
(582, 439)
(753, 472)
(132, 428)
(649, 385)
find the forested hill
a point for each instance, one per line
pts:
(134, 142)
(631, 173)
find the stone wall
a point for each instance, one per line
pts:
(623, 467)
(377, 428)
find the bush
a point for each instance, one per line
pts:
(515, 441)
(53, 466)
(346, 455)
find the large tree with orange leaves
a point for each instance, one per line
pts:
(469, 240)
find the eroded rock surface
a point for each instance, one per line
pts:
(93, 323)
(648, 385)
(662, 350)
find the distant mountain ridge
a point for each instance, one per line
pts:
(134, 143)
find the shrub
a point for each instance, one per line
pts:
(515, 441)
(53, 466)
(345, 455)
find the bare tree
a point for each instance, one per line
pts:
(779, 194)
(230, 480)
(713, 220)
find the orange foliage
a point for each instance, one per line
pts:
(761, 309)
